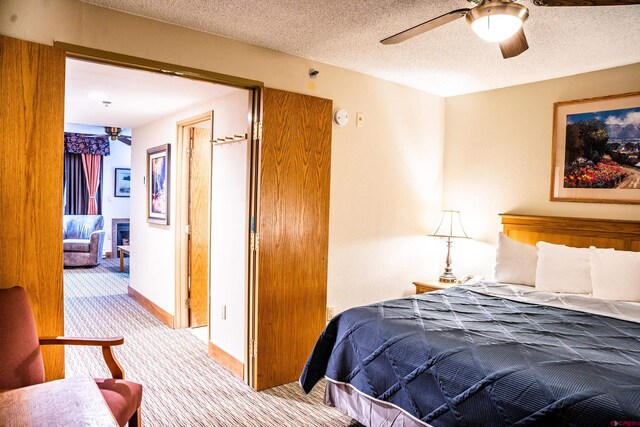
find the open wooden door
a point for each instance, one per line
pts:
(31, 165)
(293, 219)
(199, 225)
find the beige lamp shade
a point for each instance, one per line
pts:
(450, 225)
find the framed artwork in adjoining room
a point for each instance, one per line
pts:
(596, 150)
(123, 183)
(158, 183)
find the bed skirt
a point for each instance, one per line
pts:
(365, 409)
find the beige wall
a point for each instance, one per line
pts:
(498, 156)
(229, 230)
(386, 178)
(153, 246)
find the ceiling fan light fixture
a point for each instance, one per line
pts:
(497, 21)
(113, 132)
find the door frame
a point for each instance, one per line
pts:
(183, 192)
(255, 92)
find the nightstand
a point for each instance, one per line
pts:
(431, 285)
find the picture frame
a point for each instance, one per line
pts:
(158, 184)
(596, 150)
(122, 186)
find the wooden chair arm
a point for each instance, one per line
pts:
(102, 342)
(107, 353)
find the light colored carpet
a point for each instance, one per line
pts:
(182, 385)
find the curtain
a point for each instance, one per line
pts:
(81, 143)
(76, 193)
(83, 172)
(75, 186)
(91, 166)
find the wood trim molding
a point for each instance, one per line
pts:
(151, 307)
(113, 58)
(232, 364)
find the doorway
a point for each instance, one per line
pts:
(283, 194)
(151, 276)
(196, 136)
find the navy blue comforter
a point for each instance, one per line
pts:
(463, 358)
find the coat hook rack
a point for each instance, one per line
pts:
(229, 139)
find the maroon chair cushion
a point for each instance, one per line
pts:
(21, 362)
(123, 397)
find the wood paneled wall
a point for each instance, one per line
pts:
(31, 168)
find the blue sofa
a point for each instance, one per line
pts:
(82, 240)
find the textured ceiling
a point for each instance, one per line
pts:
(137, 97)
(447, 61)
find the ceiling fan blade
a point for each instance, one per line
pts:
(585, 2)
(125, 139)
(425, 26)
(514, 45)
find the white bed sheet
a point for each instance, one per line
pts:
(623, 310)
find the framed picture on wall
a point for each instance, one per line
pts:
(158, 183)
(122, 187)
(596, 150)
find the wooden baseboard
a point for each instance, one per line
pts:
(151, 307)
(232, 364)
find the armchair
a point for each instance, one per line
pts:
(21, 361)
(82, 240)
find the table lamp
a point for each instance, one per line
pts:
(450, 227)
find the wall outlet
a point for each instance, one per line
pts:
(224, 312)
(331, 311)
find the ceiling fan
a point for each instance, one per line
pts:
(114, 133)
(498, 21)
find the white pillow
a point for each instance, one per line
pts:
(563, 269)
(515, 262)
(615, 274)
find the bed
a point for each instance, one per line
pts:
(490, 354)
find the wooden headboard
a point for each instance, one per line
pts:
(576, 232)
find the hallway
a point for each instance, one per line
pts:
(182, 385)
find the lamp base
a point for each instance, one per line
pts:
(448, 277)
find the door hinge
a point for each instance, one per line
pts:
(257, 131)
(187, 302)
(190, 146)
(255, 242)
(253, 349)
(187, 229)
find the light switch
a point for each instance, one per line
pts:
(359, 120)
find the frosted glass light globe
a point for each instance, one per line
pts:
(496, 28)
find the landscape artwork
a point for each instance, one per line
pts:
(597, 150)
(158, 185)
(122, 186)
